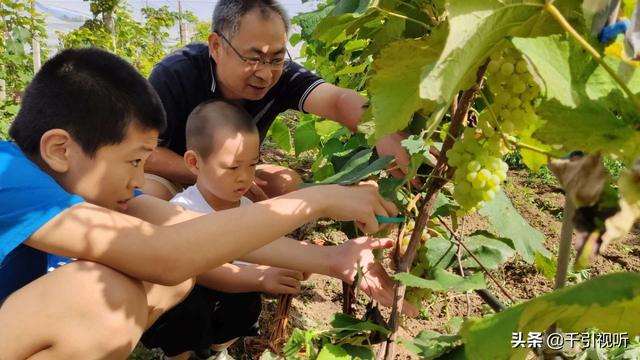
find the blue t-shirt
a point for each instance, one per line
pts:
(29, 198)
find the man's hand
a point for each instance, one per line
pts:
(375, 281)
(280, 281)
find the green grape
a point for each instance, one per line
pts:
(502, 98)
(494, 66)
(471, 177)
(518, 86)
(473, 166)
(463, 187)
(478, 184)
(484, 175)
(488, 195)
(508, 126)
(505, 114)
(514, 102)
(507, 68)
(497, 56)
(493, 181)
(521, 67)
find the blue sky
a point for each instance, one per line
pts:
(66, 15)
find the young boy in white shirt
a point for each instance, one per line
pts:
(223, 147)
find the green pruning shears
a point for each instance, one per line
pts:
(389, 220)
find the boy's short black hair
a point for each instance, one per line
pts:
(214, 116)
(92, 94)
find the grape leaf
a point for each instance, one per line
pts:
(280, 134)
(443, 281)
(591, 126)
(305, 137)
(394, 84)
(430, 344)
(489, 249)
(333, 352)
(508, 223)
(609, 303)
(440, 252)
(561, 66)
(342, 322)
(477, 28)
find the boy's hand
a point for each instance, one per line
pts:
(375, 281)
(360, 203)
(280, 281)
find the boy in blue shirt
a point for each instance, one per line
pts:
(87, 124)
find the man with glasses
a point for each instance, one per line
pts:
(245, 61)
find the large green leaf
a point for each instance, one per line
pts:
(333, 352)
(508, 223)
(305, 137)
(552, 59)
(443, 281)
(609, 303)
(490, 250)
(280, 134)
(394, 84)
(342, 322)
(477, 28)
(440, 252)
(430, 344)
(589, 127)
(349, 177)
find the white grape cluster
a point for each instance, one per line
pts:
(514, 93)
(420, 267)
(479, 169)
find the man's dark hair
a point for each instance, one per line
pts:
(92, 94)
(215, 116)
(227, 14)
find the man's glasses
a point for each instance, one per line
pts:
(276, 63)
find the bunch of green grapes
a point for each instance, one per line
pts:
(420, 267)
(479, 169)
(514, 92)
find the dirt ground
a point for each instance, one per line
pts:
(540, 202)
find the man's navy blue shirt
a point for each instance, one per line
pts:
(186, 78)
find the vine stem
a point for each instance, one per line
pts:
(388, 12)
(564, 249)
(531, 148)
(433, 189)
(555, 13)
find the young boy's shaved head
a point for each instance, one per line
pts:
(92, 94)
(215, 117)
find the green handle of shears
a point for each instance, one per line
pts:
(389, 220)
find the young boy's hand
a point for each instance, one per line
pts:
(280, 281)
(375, 282)
(360, 203)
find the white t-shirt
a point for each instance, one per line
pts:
(191, 199)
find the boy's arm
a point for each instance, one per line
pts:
(340, 261)
(171, 254)
(231, 278)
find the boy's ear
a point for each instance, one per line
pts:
(192, 160)
(55, 147)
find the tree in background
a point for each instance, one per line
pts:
(19, 25)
